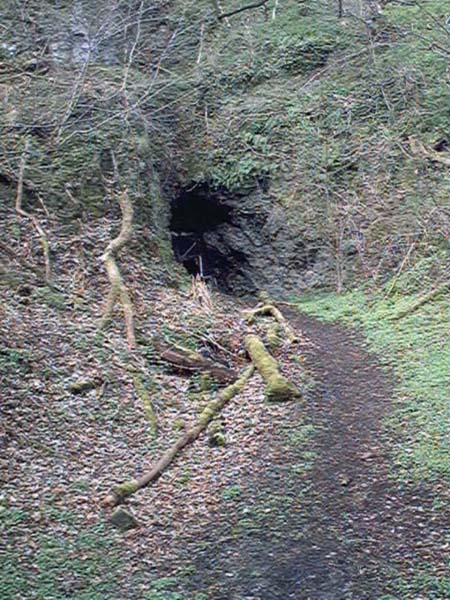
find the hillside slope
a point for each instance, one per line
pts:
(285, 148)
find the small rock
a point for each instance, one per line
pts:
(345, 480)
(123, 520)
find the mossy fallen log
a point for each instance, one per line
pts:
(278, 387)
(121, 492)
(273, 311)
(188, 360)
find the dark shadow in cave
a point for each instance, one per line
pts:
(196, 211)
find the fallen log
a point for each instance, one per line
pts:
(121, 492)
(188, 360)
(273, 311)
(278, 387)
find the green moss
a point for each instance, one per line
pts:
(278, 387)
(51, 298)
(125, 489)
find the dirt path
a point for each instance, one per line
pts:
(327, 522)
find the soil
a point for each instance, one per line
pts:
(343, 529)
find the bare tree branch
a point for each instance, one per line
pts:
(242, 9)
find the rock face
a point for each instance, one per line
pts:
(253, 246)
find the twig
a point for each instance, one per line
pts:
(239, 10)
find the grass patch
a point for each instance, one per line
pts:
(417, 347)
(58, 566)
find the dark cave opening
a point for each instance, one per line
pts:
(197, 212)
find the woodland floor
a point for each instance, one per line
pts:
(343, 528)
(301, 503)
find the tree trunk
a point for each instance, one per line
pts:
(118, 288)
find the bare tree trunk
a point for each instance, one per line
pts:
(118, 288)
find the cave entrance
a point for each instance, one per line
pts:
(197, 212)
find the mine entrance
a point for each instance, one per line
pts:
(197, 212)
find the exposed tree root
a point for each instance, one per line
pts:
(278, 387)
(431, 295)
(270, 309)
(121, 492)
(118, 288)
(23, 213)
(188, 360)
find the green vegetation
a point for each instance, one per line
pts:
(333, 132)
(417, 347)
(333, 137)
(55, 565)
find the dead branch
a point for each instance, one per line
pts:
(188, 360)
(431, 295)
(419, 149)
(270, 309)
(23, 213)
(242, 9)
(123, 491)
(200, 293)
(118, 288)
(399, 270)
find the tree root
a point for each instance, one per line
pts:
(278, 387)
(121, 492)
(118, 288)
